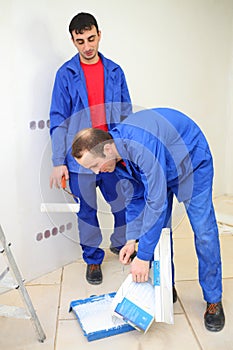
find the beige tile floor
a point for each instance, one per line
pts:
(52, 294)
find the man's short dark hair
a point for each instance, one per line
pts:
(91, 140)
(81, 22)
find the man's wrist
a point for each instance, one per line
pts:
(131, 241)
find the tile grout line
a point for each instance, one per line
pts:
(58, 309)
(190, 324)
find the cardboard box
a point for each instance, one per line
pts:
(134, 303)
(139, 304)
(162, 279)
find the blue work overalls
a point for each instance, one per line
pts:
(69, 113)
(166, 153)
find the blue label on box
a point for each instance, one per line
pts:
(134, 314)
(156, 265)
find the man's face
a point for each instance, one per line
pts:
(97, 164)
(87, 45)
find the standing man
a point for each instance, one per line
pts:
(165, 153)
(89, 91)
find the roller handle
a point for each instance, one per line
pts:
(63, 185)
(63, 182)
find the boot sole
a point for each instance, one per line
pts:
(214, 329)
(94, 282)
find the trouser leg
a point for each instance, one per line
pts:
(202, 218)
(84, 187)
(113, 194)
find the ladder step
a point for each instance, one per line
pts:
(7, 281)
(13, 311)
(3, 274)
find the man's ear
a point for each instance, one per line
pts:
(72, 39)
(108, 150)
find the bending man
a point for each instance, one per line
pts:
(161, 152)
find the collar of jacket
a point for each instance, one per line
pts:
(109, 77)
(75, 65)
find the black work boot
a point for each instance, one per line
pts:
(94, 274)
(214, 317)
(116, 250)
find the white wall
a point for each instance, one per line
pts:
(229, 129)
(178, 54)
(175, 53)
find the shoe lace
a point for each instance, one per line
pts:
(94, 267)
(212, 308)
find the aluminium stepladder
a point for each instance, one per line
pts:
(13, 311)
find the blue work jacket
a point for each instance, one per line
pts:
(162, 149)
(70, 112)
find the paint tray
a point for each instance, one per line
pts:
(94, 315)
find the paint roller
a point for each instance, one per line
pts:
(62, 207)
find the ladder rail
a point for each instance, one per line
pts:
(24, 293)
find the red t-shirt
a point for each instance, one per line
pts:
(94, 75)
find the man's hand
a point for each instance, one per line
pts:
(140, 270)
(56, 175)
(126, 252)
